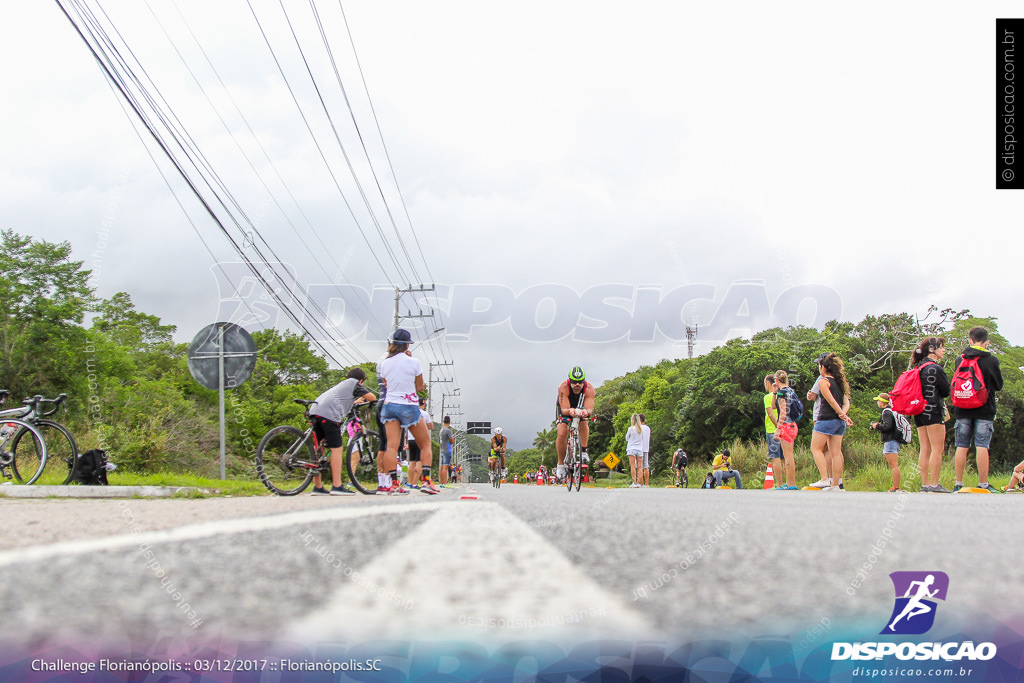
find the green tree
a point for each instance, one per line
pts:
(44, 296)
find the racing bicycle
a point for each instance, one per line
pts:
(61, 449)
(573, 457)
(287, 458)
(27, 462)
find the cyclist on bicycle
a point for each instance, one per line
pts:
(328, 414)
(498, 443)
(679, 461)
(575, 399)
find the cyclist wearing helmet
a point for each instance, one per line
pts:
(498, 443)
(575, 399)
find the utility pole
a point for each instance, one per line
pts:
(410, 290)
(430, 386)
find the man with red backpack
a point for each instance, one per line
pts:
(976, 379)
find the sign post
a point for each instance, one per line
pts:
(222, 356)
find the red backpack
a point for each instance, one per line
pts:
(907, 397)
(968, 388)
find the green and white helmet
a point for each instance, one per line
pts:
(577, 374)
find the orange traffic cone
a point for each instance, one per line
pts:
(769, 478)
(540, 479)
(515, 478)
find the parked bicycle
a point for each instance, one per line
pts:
(61, 449)
(573, 457)
(287, 457)
(22, 446)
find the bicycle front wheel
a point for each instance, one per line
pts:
(61, 453)
(28, 449)
(361, 461)
(285, 460)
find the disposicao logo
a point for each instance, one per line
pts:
(916, 595)
(913, 614)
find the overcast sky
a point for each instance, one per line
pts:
(554, 158)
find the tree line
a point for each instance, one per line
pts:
(132, 394)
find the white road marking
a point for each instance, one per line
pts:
(476, 571)
(205, 530)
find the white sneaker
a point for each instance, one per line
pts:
(560, 472)
(584, 456)
(833, 488)
(821, 484)
(634, 485)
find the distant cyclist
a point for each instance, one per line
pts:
(575, 399)
(679, 462)
(498, 444)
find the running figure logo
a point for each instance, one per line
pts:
(916, 592)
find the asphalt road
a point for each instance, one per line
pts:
(519, 563)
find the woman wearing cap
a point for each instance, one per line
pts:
(886, 426)
(832, 422)
(931, 423)
(403, 378)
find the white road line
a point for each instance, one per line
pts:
(475, 571)
(134, 538)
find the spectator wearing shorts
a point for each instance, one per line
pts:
(771, 419)
(447, 441)
(645, 470)
(785, 431)
(419, 472)
(976, 424)
(329, 413)
(635, 449)
(886, 427)
(832, 421)
(403, 378)
(931, 422)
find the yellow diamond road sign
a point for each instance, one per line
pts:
(611, 460)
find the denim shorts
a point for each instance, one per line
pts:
(981, 430)
(891, 447)
(446, 458)
(407, 416)
(774, 447)
(830, 427)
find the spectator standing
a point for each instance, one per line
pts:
(931, 422)
(447, 442)
(635, 449)
(821, 461)
(887, 428)
(785, 431)
(645, 479)
(771, 419)
(832, 422)
(403, 378)
(977, 424)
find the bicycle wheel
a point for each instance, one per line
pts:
(61, 452)
(497, 476)
(684, 480)
(285, 460)
(361, 461)
(570, 461)
(28, 451)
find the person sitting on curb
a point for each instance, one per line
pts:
(721, 467)
(1016, 478)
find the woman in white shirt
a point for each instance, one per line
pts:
(635, 449)
(403, 378)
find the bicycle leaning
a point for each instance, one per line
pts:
(287, 458)
(22, 446)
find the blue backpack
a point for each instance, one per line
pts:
(794, 407)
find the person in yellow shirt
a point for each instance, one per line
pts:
(722, 470)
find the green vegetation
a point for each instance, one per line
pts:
(132, 395)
